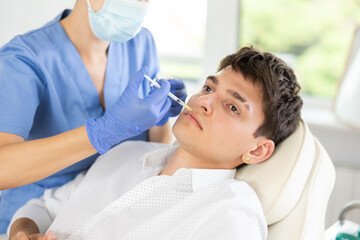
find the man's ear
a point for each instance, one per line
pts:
(263, 151)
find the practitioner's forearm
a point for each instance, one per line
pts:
(27, 162)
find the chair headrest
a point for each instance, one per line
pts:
(280, 180)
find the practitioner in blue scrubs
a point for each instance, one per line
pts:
(73, 89)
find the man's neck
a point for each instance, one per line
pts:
(186, 159)
(77, 27)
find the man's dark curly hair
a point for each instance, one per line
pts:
(280, 101)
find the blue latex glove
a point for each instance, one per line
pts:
(130, 116)
(179, 90)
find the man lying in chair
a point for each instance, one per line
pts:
(142, 190)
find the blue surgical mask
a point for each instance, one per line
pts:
(118, 20)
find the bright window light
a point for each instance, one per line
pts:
(179, 29)
(315, 35)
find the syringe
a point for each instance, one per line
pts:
(176, 99)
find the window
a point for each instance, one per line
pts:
(314, 35)
(178, 28)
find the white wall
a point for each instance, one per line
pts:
(20, 16)
(222, 36)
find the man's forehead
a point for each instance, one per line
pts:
(227, 75)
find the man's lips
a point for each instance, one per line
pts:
(193, 118)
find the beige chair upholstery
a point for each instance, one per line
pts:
(294, 186)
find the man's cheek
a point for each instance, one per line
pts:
(221, 126)
(227, 132)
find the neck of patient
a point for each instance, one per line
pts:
(186, 159)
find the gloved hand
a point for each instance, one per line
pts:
(179, 90)
(130, 115)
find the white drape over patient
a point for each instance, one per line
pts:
(122, 197)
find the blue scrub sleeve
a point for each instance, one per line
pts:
(153, 62)
(150, 59)
(20, 90)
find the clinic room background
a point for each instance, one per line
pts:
(192, 36)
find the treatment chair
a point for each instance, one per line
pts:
(293, 186)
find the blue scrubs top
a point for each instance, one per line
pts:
(45, 90)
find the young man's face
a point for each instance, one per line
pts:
(225, 115)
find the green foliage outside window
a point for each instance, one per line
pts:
(317, 32)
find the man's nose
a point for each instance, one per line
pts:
(206, 103)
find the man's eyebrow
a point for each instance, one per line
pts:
(213, 78)
(237, 96)
(233, 93)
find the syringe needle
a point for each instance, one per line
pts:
(176, 99)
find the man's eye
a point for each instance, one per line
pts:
(233, 109)
(206, 88)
